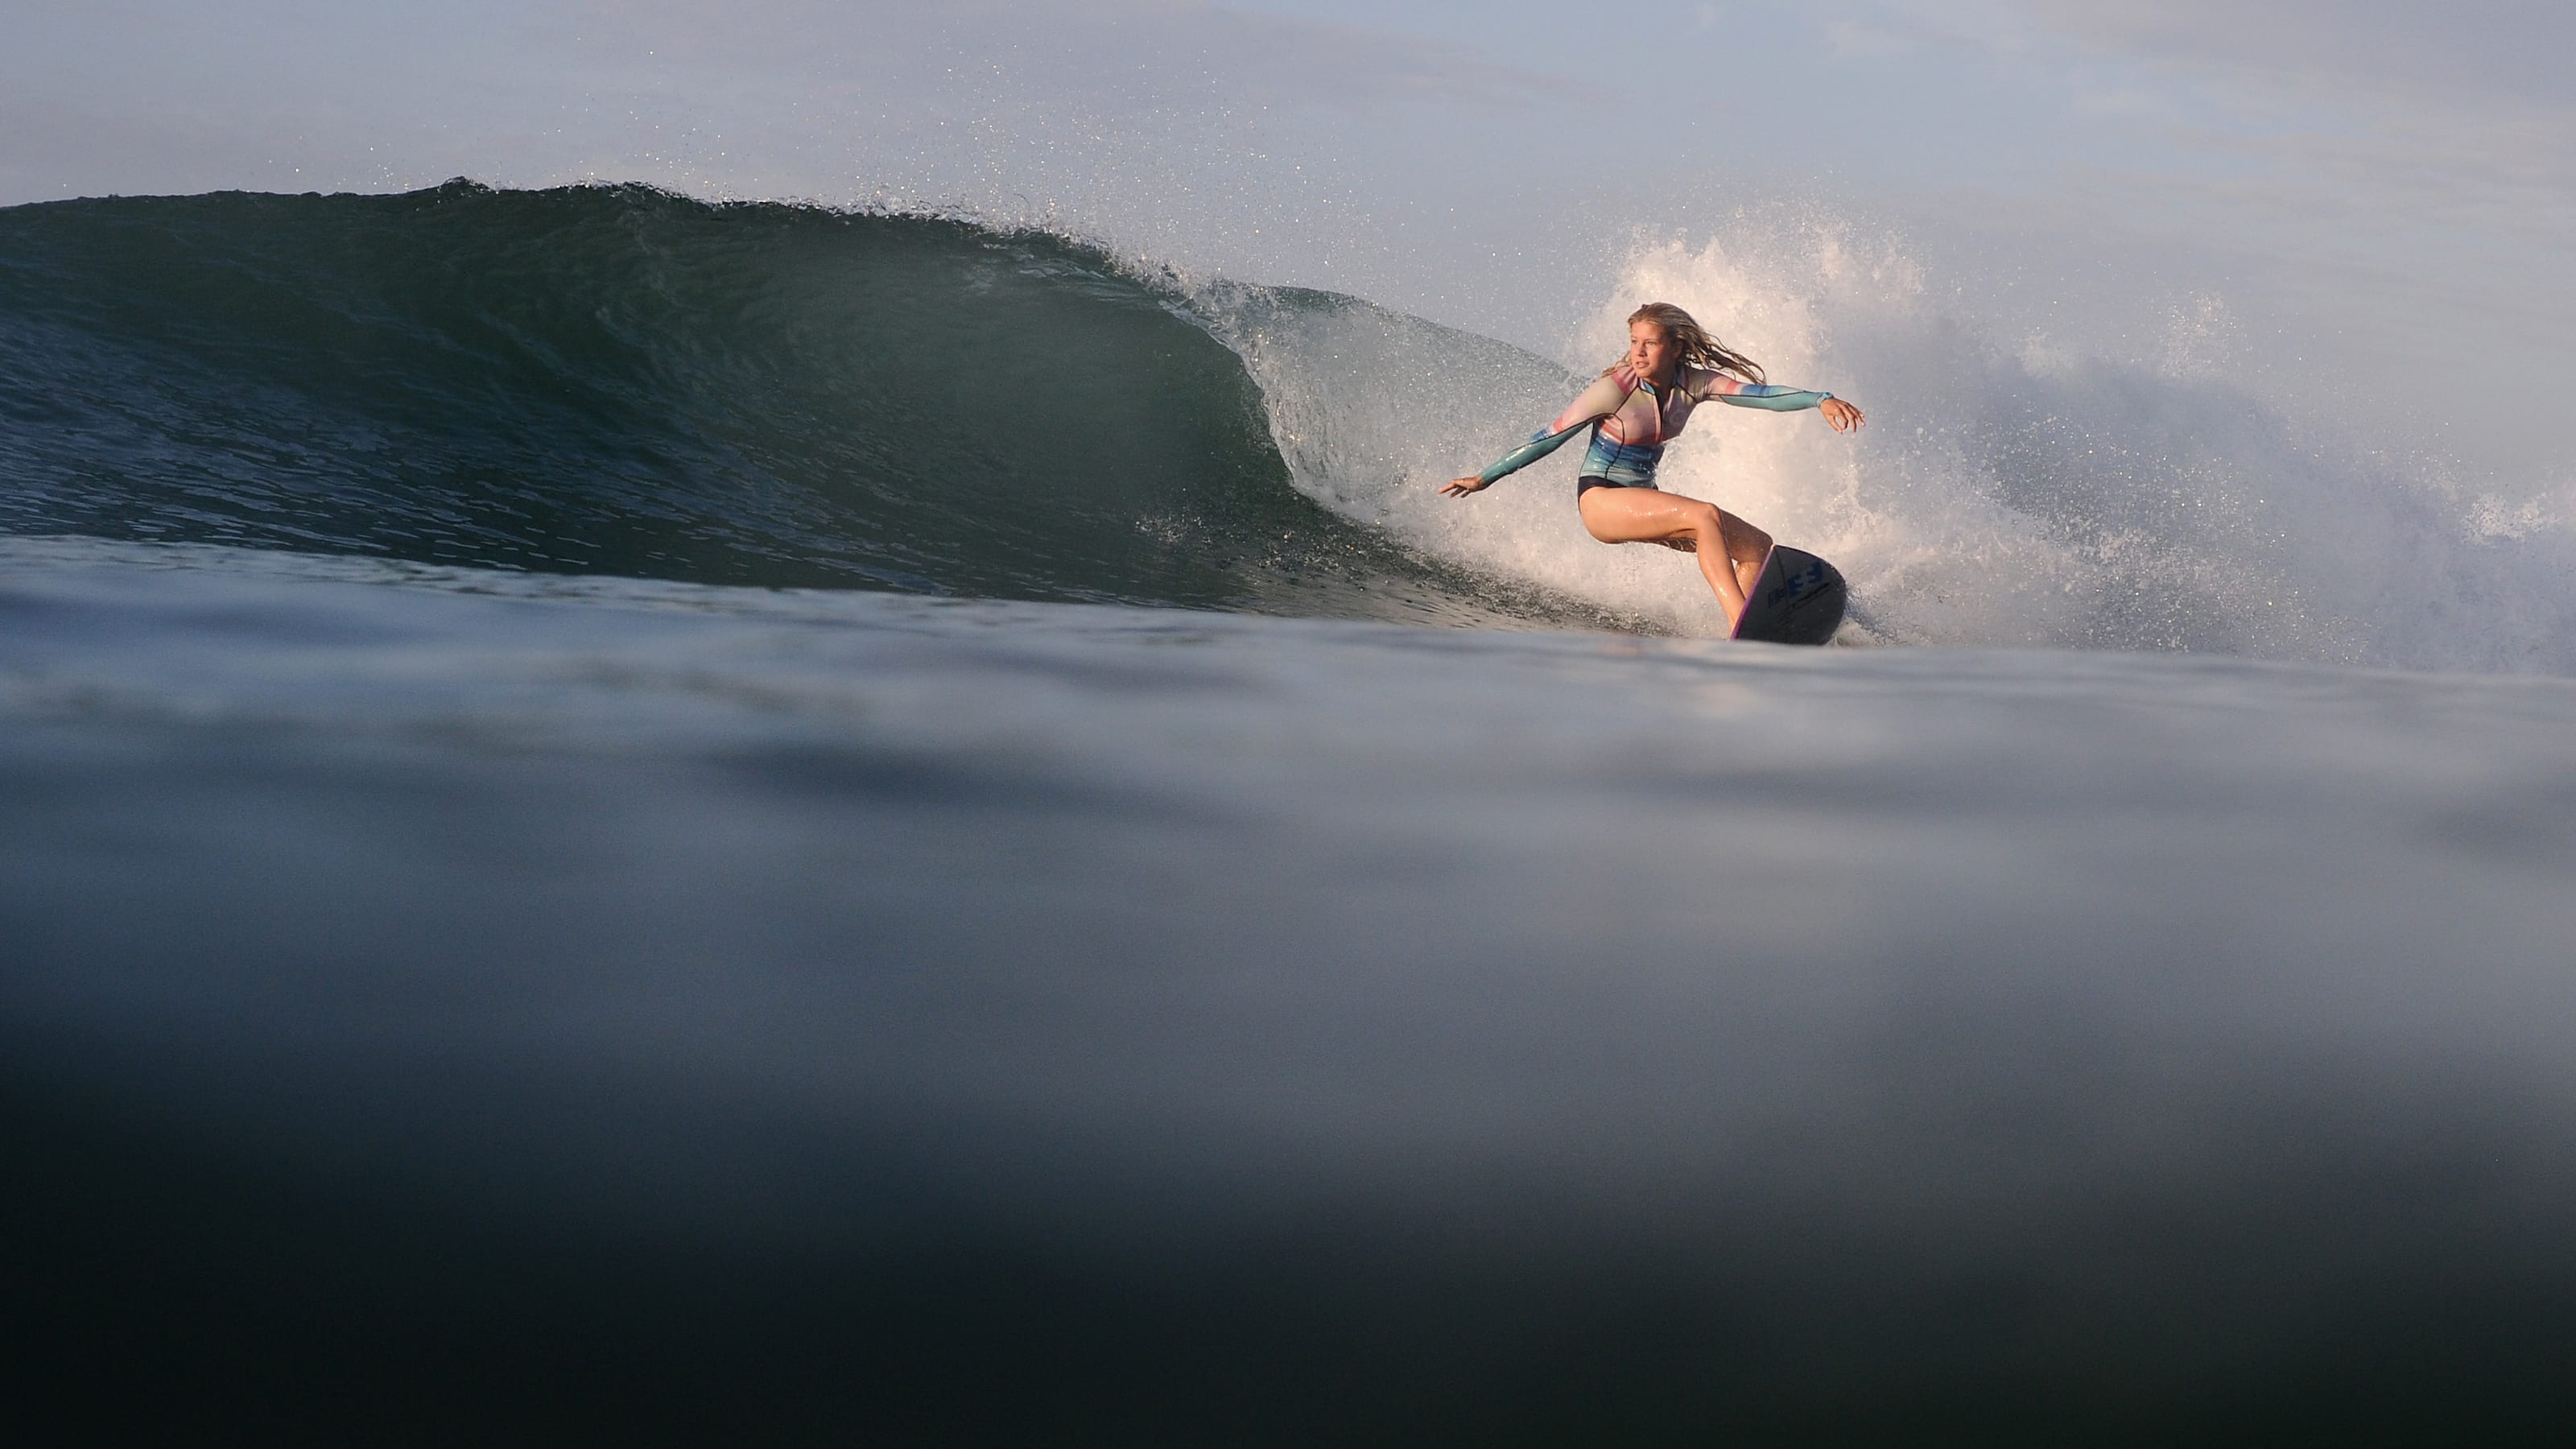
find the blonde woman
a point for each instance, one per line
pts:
(1672, 366)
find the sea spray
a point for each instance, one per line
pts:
(2007, 490)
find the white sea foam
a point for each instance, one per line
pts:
(2008, 490)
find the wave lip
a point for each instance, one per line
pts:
(619, 380)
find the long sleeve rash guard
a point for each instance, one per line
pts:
(1631, 421)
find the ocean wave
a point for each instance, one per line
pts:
(619, 380)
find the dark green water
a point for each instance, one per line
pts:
(452, 1006)
(621, 381)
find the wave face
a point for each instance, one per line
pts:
(618, 380)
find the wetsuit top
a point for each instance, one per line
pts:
(1631, 420)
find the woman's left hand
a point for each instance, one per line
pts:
(1840, 416)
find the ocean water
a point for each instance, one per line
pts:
(630, 820)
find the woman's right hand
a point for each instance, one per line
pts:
(1461, 487)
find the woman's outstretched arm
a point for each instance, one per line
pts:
(1841, 416)
(1596, 402)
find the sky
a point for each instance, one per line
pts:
(2371, 198)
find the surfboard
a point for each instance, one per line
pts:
(1797, 600)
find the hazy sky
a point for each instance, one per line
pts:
(2380, 194)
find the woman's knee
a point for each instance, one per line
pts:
(1743, 539)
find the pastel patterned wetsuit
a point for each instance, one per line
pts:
(1631, 421)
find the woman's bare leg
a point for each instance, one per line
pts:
(1643, 515)
(1746, 548)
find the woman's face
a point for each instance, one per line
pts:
(1650, 349)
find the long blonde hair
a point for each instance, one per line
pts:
(1698, 349)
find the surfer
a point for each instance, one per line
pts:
(1633, 408)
